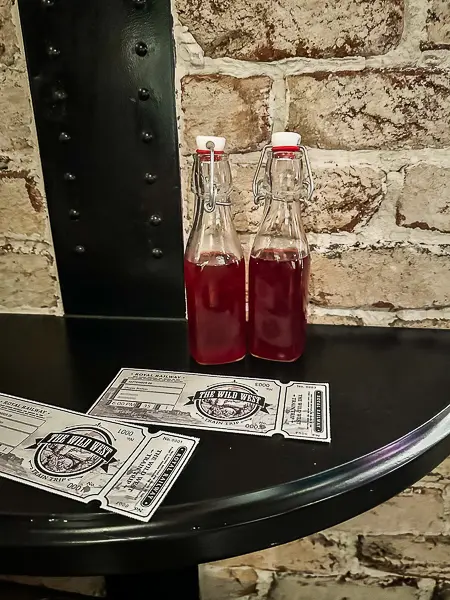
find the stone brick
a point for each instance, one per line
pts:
(227, 106)
(21, 205)
(423, 324)
(15, 109)
(86, 586)
(424, 201)
(420, 511)
(243, 582)
(345, 197)
(315, 554)
(438, 25)
(26, 280)
(319, 319)
(9, 47)
(407, 555)
(371, 109)
(292, 587)
(217, 583)
(402, 277)
(266, 31)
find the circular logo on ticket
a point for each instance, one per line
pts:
(228, 402)
(74, 451)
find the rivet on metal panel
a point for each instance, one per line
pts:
(74, 214)
(69, 177)
(155, 219)
(64, 136)
(52, 51)
(157, 253)
(141, 48)
(79, 249)
(143, 94)
(150, 178)
(146, 136)
(59, 95)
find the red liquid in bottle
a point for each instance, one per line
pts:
(216, 309)
(277, 304)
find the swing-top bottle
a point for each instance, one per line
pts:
(214, 264)
(280, 261)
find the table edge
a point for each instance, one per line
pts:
(186, 520)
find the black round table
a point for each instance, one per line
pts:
(390, 425)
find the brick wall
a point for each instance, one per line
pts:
(28, 279)
(367, 84)
(368, 87)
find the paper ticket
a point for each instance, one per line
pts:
(235, 404)
(124, 467)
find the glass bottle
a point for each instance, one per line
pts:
(214, 266)
(280, 260)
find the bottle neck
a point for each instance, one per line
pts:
(281, 227)
(218, 218)
(282, 213)
(284, 175)
(213, 231)
(217, 172)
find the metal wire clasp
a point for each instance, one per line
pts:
(210, 202)
(259, 195)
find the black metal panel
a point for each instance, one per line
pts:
(101, 74)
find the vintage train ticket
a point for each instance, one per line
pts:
(124, 467)
(235, 404)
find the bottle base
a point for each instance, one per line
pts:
(289, 360)
(222, 362)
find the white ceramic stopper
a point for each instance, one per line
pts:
(285, 138)
(202, 140)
